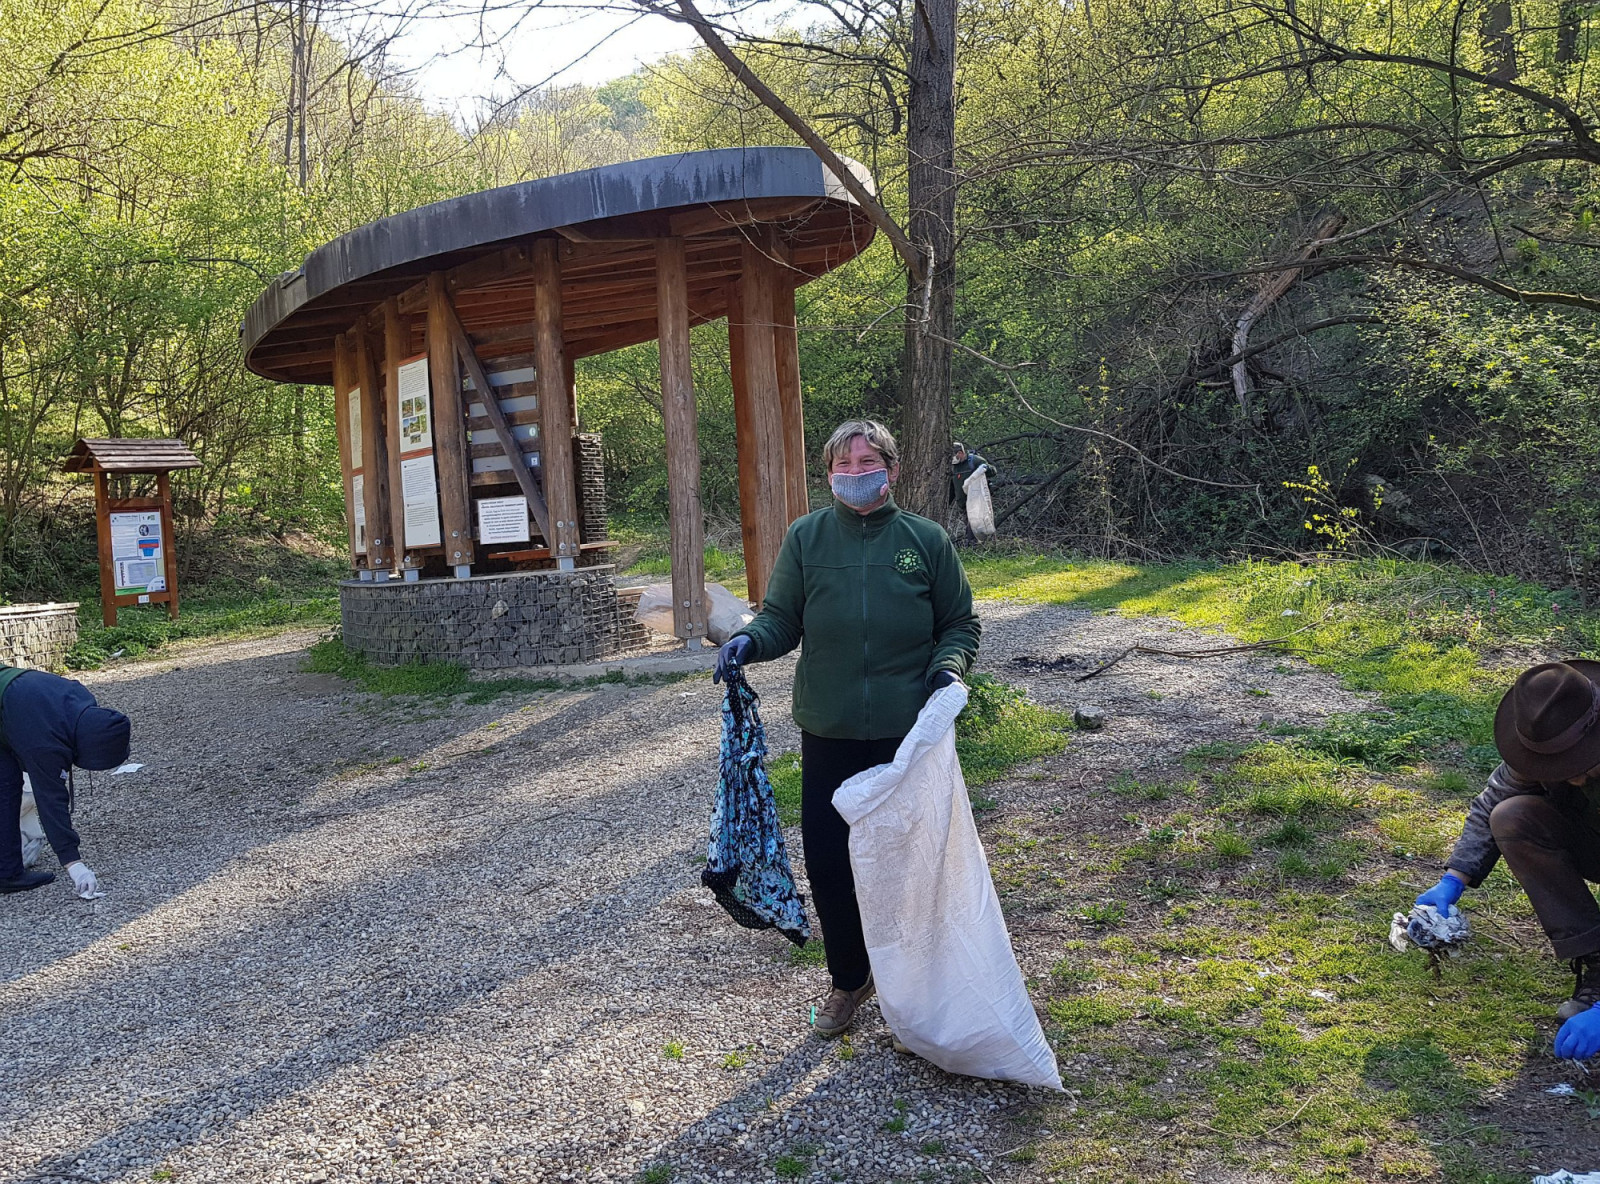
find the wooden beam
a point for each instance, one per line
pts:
(102, 530)
(169, 543)
(707, 219)
(786, 344)
(549, 351)
(449, 428)
(486, 394)
(685, 518)
(374, 454)
(757, 293)
(745, 449)
(342, 383)
(396, 348)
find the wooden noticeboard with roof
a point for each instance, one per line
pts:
(138, 564)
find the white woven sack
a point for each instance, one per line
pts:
(32, 830)
(948, 982)
(980, 506)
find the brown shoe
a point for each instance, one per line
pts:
(1586, 991)
(837, 1013)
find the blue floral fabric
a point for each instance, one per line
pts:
(747, 864)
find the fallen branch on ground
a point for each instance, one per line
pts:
(1275, 644)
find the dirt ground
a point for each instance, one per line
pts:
(354, 938)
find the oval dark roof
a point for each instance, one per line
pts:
(287, 333)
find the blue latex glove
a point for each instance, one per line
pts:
(1579, 1037)
(731, 654)
(1444, 894)
(942, 679)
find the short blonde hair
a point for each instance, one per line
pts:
(873, 432)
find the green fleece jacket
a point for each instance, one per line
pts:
(881, 603)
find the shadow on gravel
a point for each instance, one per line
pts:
(170, 828)
(261, 940)
(332, 984)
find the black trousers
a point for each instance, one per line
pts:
(825, 765)
(1554, 859)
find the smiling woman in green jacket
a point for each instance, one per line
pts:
(877, 601)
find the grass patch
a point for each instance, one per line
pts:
(1002, 728)
(1262, 1027)
(330, 656)
(142, 630)
(414, 678)
(1231, 845)
(783, 771)
(812, 954)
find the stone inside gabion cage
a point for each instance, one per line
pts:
(491, 622)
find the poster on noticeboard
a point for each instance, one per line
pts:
(137, 556)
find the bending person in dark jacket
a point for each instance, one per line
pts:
(47, 725)
(880, 606)
(1541, 810)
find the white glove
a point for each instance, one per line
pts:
(83, 881)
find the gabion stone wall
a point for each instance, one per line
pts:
(632, 632)
(590, 464)
(534, 618)
(37, 635)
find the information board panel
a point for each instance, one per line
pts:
(136, 552)
(421, 491)
(503, 520)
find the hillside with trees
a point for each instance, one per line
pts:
(1219, 276)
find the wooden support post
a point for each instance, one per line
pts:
(555, 410)
(449, 429)
(786, 343)
(684, 516)
(757, 281)
(102, 527)
(747, 452)
(396, 344)
(169, 543)
(374, 453)
(341, 418)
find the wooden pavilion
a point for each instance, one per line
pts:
(414, 318)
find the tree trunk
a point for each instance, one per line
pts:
(1499, 41)
(930, 153)
(1569, 25)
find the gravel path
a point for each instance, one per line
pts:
(349, 938)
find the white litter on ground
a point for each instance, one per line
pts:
(1426, 929)
(130, 767)
(1566, 1177)
(1564, 1090)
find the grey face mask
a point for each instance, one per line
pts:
(860, 490)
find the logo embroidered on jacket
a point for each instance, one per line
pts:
(908, 561)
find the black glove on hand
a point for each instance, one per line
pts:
(731, 656)
(942, 679)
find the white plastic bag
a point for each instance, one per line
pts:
(948, 982)
(655, 609)
(726, 616)
(980, 506)
(32, 830)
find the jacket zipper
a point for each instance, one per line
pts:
(866, 644)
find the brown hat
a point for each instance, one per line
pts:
(1546, 726)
